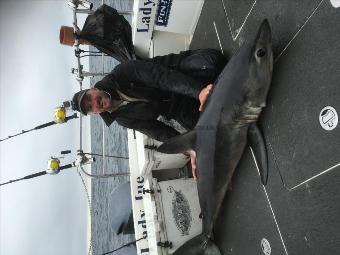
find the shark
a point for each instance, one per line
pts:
(225, 127)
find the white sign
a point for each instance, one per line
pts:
(143, 20)
(265, 246)
(328, 118)
(181, 211)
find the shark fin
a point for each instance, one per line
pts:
(199, 245)
(179, 144)
(256, 142)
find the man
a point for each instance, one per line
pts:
(138, 93)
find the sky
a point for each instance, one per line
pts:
(48, 214)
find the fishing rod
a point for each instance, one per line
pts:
(96, 154)
(80, 152)
(52, 168)
(59, 117)
(60, 112)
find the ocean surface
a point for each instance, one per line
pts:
(114, 139)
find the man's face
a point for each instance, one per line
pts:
(96, 101)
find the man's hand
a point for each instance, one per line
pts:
(193, 164)
(203, 96)
(192, 155)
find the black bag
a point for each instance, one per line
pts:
(109, 32)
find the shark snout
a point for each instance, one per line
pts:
(265, 33)
(263, 46)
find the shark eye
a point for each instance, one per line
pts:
(261, 53)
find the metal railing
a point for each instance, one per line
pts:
(85, 7)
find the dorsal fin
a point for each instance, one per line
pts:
(179, 144)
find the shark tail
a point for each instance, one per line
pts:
(199, 245)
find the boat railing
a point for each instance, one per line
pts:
(104, 127)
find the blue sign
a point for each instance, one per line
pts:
(163, 12)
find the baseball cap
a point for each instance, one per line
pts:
(78, 101)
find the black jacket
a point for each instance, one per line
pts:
(167, 85)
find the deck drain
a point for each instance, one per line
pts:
(328, 118)
(265, 246)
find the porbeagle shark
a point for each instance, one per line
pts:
(220, 136)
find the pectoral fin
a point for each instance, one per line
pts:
(179, 144)
(257, 143)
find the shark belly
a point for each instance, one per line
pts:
(212, 185)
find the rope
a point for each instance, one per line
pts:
(89, 205)
(103, 175)
(127, 244)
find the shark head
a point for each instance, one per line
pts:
(260, 67)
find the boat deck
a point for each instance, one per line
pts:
(297, 212)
